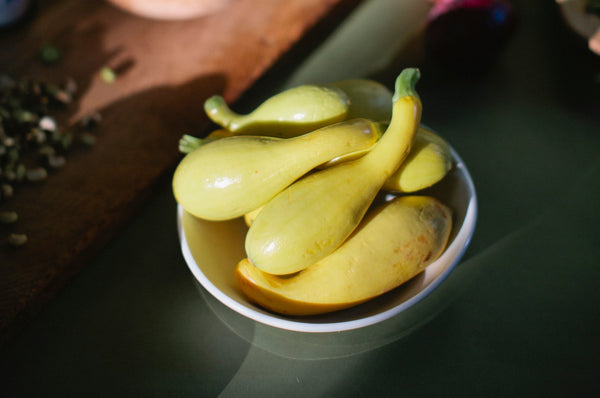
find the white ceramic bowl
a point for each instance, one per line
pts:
(213, 249)
(171, 9)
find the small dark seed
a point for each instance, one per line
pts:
(10, 175)
(56, 161)
(20, 172)
(6, 190)
(12, 156)
(17, 239)
(8, 142)
(87, 139)
(66, 140)
(46, 150)
(37, 174)
(49, 54)
(90, 122)
(24, 116)
(37, 135)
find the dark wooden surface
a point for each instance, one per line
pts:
(165, 71)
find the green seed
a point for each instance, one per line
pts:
(9, 174)
(50, 54)
(108, 75)
(37, 174)
(89, 122)
(87, 139)
(36, 135)
(24, 116)
(46, 151)
(6, 191)
(66, 140)
(56, 161)
(16, 240)
(8, 217)
(20, 172)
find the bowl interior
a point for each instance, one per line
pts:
(213, 249)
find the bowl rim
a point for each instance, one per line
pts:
(452, 255)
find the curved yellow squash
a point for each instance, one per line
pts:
(231, 176)
(312, 217)
(393, 244)
(427, 163)
(287, 114)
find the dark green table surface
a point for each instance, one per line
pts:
(524, 318)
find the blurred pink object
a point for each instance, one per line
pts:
(171, 9)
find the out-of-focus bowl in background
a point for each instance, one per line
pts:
(171, 9)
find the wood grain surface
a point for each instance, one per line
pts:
(165, 71)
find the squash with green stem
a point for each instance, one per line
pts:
(229, 177)
(312, 217)
(289, 113)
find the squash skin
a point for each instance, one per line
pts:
(231, 176)
(394, 243)
(427, 163)
(287, 114)
(312, 217)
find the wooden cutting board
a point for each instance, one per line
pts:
(165, 71)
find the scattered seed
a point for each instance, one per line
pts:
(31, 139)
(8, 217)
(87, 138)
(89, 122)
(37, 135)
(56, 161)
(63, 97)
(12, 156)
(50, 54)
(71, 86)
(37, 174)
(46, 150)
(66, 140)
(108, 75)
(6, 190)
(10, 175)
(16, 240)
(47, 123)
(20, 172)
(24, 116)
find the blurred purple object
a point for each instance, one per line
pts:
(468, 33)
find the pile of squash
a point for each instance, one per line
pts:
(305, 169)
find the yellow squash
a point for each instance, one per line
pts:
(394, 243)
(312, 217)
(294, 111)
(229, 177)
(368, 99)
(289, 113)
(427, 163)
